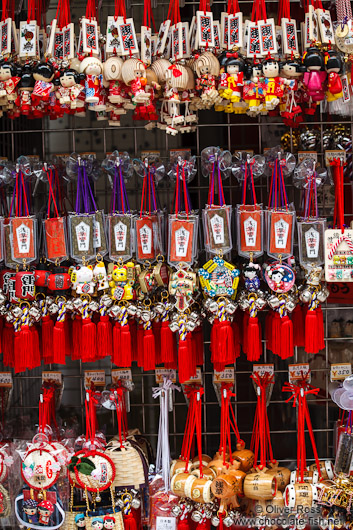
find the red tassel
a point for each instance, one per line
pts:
(185, 359)
(8, 345)
(129, 522)
(68, 336)
(167, 343)
(116, 359)
(268, 329)
(24, 350)
(205, 524)
(89, 340)
(133, 331)
(76, 338)
(286, 338)
(125, 345)
(245, 331)
(214, 340)
(298, 326)
(59, 343)
(276, 333)
(254, 339)
(149, 350)
(36, 345)
(1, 330)
(140, 332)
(199, 348)
(184, 523)
(47, 339)
(104, 337)
(225, 343)
(237, 341)
(320, 326)
(312, 339)
(156, 326)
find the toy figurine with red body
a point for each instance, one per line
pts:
(273, 83)
(26, 85)
(9, 79)
(315, 75)
(235, 66)
(334, 67)
(93, 69)
(69, 88)
(253, 92)
(291, 112)
(134, 76)
(43, 74)
(207, 70)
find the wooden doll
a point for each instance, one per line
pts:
(133, 73)
(92, 67)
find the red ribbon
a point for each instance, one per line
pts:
(193, 425)
(261, 439)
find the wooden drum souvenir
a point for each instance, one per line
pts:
(300, 494)
(206, 473)
(260, 486)
(326, 469)
(201, 490)
(195, 462)
(178, 466)
(282, 475)
(228, 484)
(181, 484)
(309, 476)
(277, 501)
(246, 459)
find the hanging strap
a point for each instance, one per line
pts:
(92, 399)
(148, 19)
(193, 425)
(228, 422)
(310, 197)
(248, 182)
(338, 178)
(63, 15)
(182, 197)
(211, 190)
(283, 11)
(233, 7)
(278, 196)
(51, 180)
(46, 409)
(261, 439)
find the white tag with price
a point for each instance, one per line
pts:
(340, 371)
(165, 523)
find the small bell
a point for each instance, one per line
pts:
(228, 521)
(98, 498)
(135, 503)
(176, 511)
(215, 520)
(196, 516)
(305, 296)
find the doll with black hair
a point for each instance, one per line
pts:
(333, 67)
(291, 111)
(9, 79)
(70, 87)
(43, 74)
(273, 83)
(315, 75)
(253, 92)
(235, 67)
(25, 89)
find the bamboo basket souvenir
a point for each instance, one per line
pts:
(130, 464)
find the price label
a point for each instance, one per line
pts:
(165, 372)
(263, 369)
(340, 371)
(94, 378)
(227, 376)
(298, 371)
(121, 375)
(52, 377)
(195, 378)
(165, 523)
(302, 155)
(335, 154)
(5, 380)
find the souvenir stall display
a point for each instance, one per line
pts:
(180, 298)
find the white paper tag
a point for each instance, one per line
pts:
(28, 39)
(296, 372)
(340, 371)
(120, 233)
(235, 31)
(289, 32)
(226, 376)
(23, 234)
(312, 243)
(224, 30)
(83, 236)
(217, 33)
(162, 37)
(5, 379)
(205, 28)
(52, 377)
(112, 36)
(345, 89)
(145, 235)
(97, 240)
(165, 523)
(165, 372)
(127, 35)
(253, 40)
(263, 369)
(217, 226)
(5, 36)
(95, 378)
(268, 43)
(281, 233)
(182, 237)
(122, 375)
(250, 231)
(69, 41)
